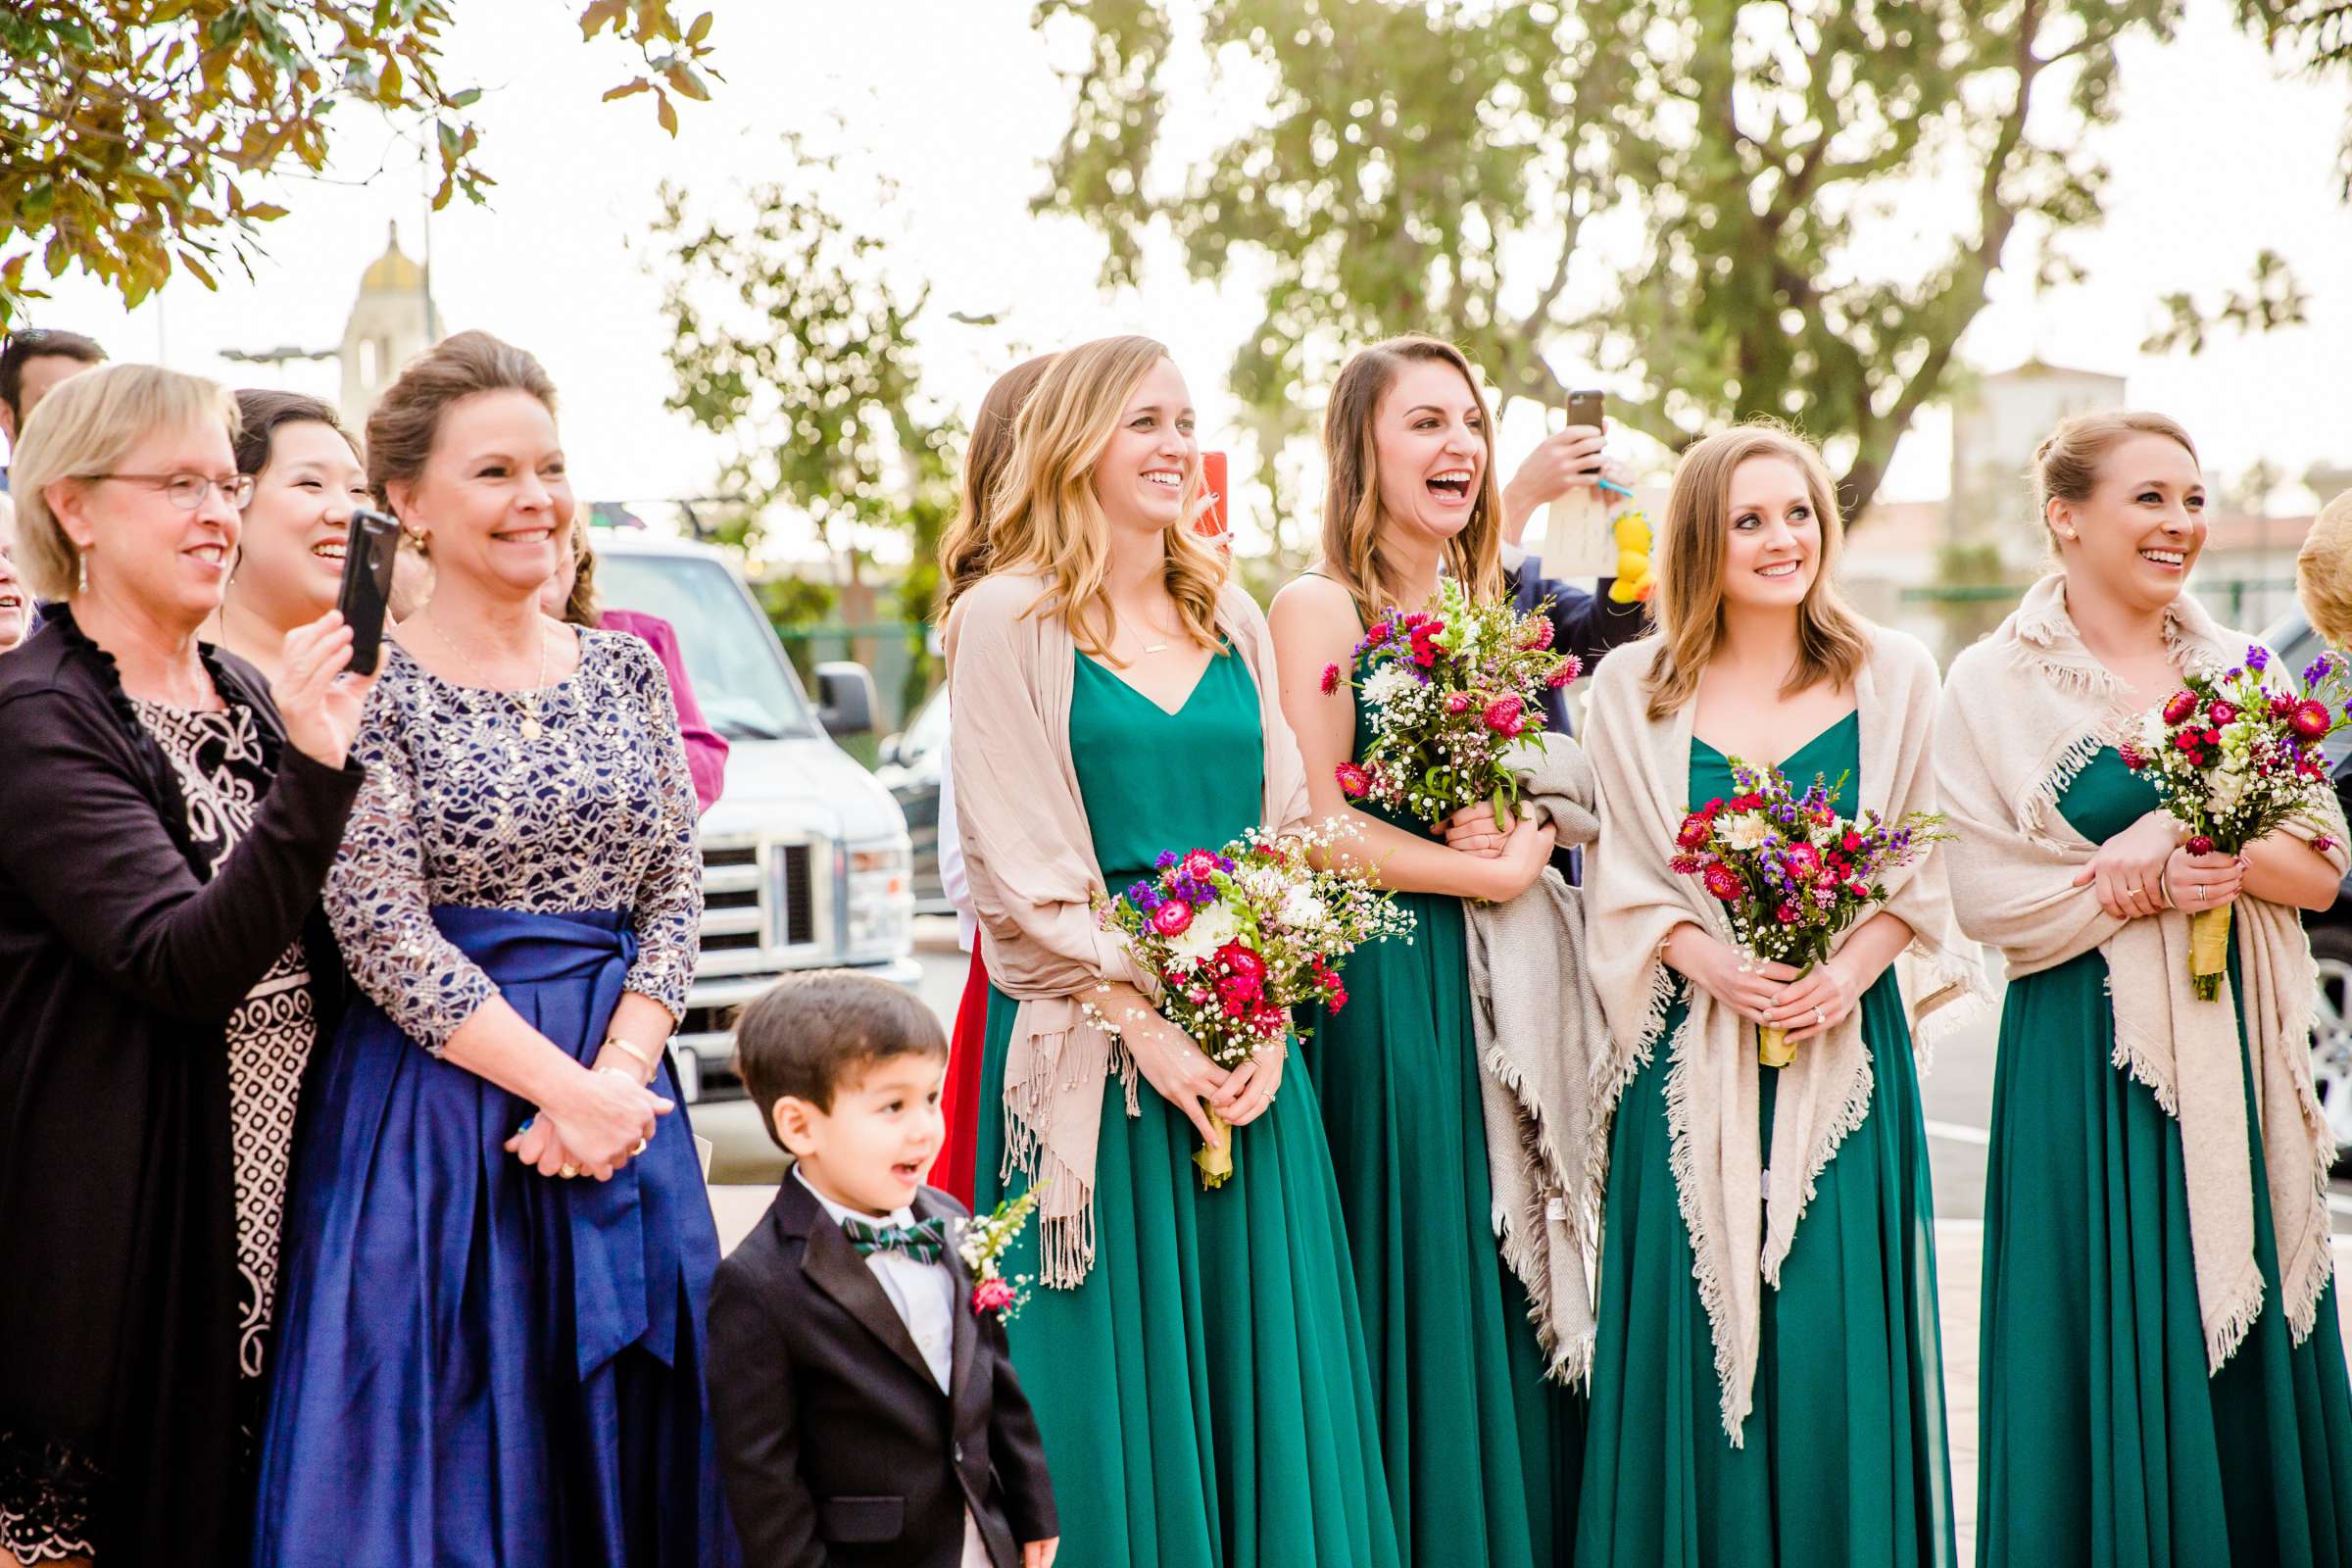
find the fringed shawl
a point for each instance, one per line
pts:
(1739, 1233)
(1030, 858)
(2023, 712)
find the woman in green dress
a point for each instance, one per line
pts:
(2162, 1377)
(1482, 1450)
(1763, 1393)
(1196, 1358)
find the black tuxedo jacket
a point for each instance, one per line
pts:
(838, 1445)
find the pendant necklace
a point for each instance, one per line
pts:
(530, 728)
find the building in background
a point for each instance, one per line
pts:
(1997, 420)
(392, 321)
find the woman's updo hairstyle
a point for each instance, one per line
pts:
(401, 430)
(263, 410)
(2066, 465)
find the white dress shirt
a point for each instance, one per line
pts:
(952, 880)
(924, 1297)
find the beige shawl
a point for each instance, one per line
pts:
(1539, 1036)
(2022, 712)
(1030, 858)
(1740, 1232)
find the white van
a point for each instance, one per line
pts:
(806, 858)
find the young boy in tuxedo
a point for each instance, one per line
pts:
(867, 1414)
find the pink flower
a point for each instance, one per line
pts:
(1539, 635)
(1687, 865)
(2179, 705)
(1695, 830)
(1503, 716)
(1569, 671)
(1242, 961)
(992, 1296)
(2312, 719)
(1857, 886)
(1457, 702)
(2133, 757)
(1172, 919)
(2323, 844)
(1200, 865)
(1330, 679)
(1355, 783)
(2220, 712)
(2200, 845)
(1721, 882)
(1787, 914)
(1804, 861)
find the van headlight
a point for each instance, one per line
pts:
(880, 898)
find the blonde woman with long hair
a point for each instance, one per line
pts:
(1767, 1386)
(2161, 1375)
(1195, 1358)
(1482, 1450)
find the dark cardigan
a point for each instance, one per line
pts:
(120, 966)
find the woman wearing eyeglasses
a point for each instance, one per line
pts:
(163, 970)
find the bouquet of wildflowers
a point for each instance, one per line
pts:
(1451, 688)
(1240, 936)
(1791, 872)
(2235, 754)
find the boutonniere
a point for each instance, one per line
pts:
(982, 1248)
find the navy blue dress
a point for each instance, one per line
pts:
(477, 1364)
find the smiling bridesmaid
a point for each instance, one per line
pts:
(1482, 1450)
(1762, 1393)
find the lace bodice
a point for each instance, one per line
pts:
(596, 812)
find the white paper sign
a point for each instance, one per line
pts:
(1576, 538)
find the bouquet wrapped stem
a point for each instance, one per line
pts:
(1215, 1160)
(1773, 1048)
(2209, 952)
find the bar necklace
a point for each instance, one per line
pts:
(530, 728)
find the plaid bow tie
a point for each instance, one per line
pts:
(925, 1241)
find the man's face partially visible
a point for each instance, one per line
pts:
(41, 373)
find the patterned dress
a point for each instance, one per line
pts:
(476, 1363)
(219, 759)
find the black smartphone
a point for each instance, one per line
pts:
(1585, 407)
(369, 554)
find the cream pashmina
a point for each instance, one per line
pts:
(1539, 1035)
(1740, 1232)
(1030, 859)
(2022, 712)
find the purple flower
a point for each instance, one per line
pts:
(2318, 670)
(2257, 659)
(1168, 858)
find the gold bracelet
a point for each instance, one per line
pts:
(631, 1051)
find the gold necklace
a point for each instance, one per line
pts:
(530, 728)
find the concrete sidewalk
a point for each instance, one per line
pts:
(1959, 1258)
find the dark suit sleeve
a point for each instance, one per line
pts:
(758, 1427)
(1586, 625)
(1016, 1446)
(83, 843)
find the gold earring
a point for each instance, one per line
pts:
(81, 561)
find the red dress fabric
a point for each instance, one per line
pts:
(960, 1101)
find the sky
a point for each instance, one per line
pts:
(957, 101)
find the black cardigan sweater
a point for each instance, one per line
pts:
(120, 966)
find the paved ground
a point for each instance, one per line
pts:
(1957, 1098)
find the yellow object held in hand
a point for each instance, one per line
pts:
(1633, 580)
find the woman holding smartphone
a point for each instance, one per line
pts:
(1482, 1449)
(307, 479)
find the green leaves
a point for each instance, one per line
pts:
(1667, 196)
(122, 118)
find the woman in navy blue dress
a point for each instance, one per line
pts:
(491, 1336)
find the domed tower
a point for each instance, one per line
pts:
(391, 322)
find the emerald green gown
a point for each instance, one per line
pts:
(2104, 1441)
(1845, 1458)
(1204, 1393)
(1483, 1452)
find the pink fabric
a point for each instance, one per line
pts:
(706, 747)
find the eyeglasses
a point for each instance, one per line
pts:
(189, 490)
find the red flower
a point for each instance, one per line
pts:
(2281, 706)
(1337, 998)
(2220, 712)
(992, 1296)
(1242, 961)
(1378, 635)
(1457, 702)
(2190, 741)
(2323, 844)
(1425, 654)
(1200, 865)
(2179, 705)
(1721, 882)
(1787, 914)
(1803, 862)
(1851, 844)
(1503, 716)
(1857, 886)
(2312, 719)
(1172, 919)
(1330, 679)
(2133, 757)
(2200, 845)
(1696, 829)
(1685, 864)
(1355, 783)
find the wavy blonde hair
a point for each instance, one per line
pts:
(1352, 516)
(1042, 516)
(1832, 640)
